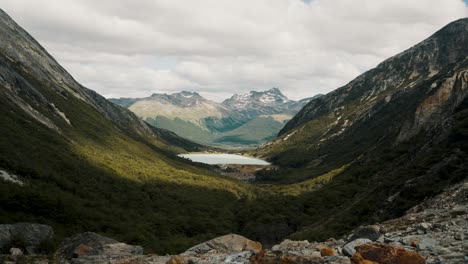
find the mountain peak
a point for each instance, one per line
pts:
(275, 90)
(187, 94)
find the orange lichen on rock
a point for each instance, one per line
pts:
(385, 254)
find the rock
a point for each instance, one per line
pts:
(326, 251)
(92, 244)
(349, 249)
(263, 257)
(425, 226)
(427, 244)
(459, 236)
(310, 260)
(228, 243)
(239, 258)
(371, 232)
(30, 234)
(288, 245)
(385, 254)
(16, 252)
(176, 260)
(414, 243)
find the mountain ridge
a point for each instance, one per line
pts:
(88, 164)
(396, 135)
(199, 119)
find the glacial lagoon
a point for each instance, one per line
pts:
(221, 158)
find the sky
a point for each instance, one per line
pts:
(218, 48)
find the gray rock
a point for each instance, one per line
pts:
(31, 234)
(427, 244)
(459, 236)
(239, 258)
(371, 232)
(92, 244)
(16, 252)
(349, 249)
(381, 239)
(227, 243)
(425, 226)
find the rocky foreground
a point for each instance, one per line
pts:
(435, 231)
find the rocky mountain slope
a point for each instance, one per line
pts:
(387, 140)
(228, 123)
(73, 160)
(404, 96)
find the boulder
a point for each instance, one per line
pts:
(28, 234)
(92, 244)
(16, 252)
(349, 249)
(385, 254)
(229, 243)
(371, 232)
(326, 252)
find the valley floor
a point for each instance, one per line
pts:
(434, 231)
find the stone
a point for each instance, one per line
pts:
(459, 236)
(291, 245)
(371, 232)
(176, 260)
(92, 244)
(227, 243)
(425, 226)
(16, 252)
(326, 251)
(443, 251)
(239, 258)
(259, 258)
(385, 254)
(427, 244)
(349, 249)
(31, 234)
(414, 243)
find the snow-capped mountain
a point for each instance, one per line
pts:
(257, 115)
(268, 102)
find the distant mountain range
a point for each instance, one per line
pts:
(244, 119)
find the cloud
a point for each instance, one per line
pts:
(219, 47)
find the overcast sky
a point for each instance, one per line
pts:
(220, 47)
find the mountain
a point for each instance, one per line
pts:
(389, 138)
(263, 103)
(228, 123)
(393, 137)
(71, 159)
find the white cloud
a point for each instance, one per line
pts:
(220, 47)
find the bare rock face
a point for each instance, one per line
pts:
(228, 243)
(290, 251)
(225, 249)
(91, 244)
(385, 254)
(30, 234)
(436, 229)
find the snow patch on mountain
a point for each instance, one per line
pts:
(10, 177)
